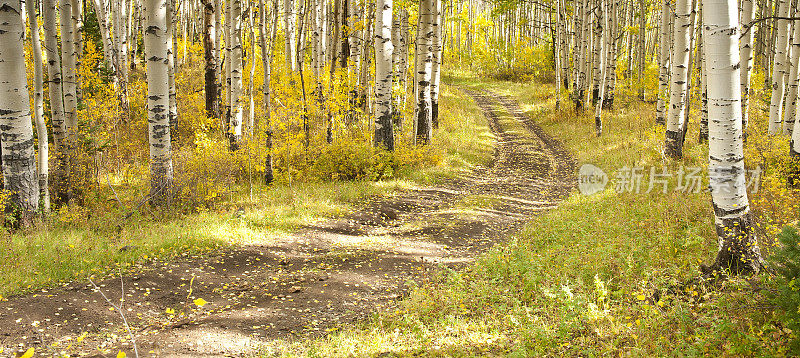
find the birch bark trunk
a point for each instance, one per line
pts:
(16, 131)
(738, 247)
(156, 45)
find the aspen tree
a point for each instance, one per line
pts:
(156, 46)
(266, 58)
(738, 247)
(384, 134)
(779, 69)
(16, 131)
(235, 64)
(436, 74)
(424, 64)
(289, 19)
(747, 14)
(673, 145)
(210, 57)
(791, 96)
(42, 156)
(663, 60)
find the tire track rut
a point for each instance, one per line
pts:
(312, 281)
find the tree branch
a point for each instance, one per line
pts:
(754, 22)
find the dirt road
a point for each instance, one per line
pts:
(313, 281)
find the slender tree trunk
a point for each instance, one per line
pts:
(424, 64)
(663, 68)
(436, 74)
(266, 58)
(779, 69)
(38, 107)
(673, 146)
(748, 13)
(791, 97)
(236, 74)
(209, 47)
(156, 44)
(384, 134)
(738, 246)
(16, 131)
(290, 18)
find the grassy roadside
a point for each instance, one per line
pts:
(599, 275)
(77, 242)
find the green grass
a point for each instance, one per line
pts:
(80, 241)
(601, 275)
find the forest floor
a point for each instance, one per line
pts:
(311, 281)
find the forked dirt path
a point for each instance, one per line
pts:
(311, 282)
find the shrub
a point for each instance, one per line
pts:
(787, 263)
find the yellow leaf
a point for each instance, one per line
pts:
(641, 297)
(200, 302)
(121, 354)
(28, 353)
(170, 311)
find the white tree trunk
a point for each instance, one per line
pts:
(19, 161)
(424, 65)
(38, 107)
(384, 134)
(738, 247)
(673, 146)
(156, 46)
(436, 74)
(69, 70)
(290, 17)
(236, 74)
(779, 69)
(663, 68)
(105, 34)
(791, 96)
(748, 13)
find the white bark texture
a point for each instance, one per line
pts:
(42, 156)
(738, 247)
(673, 146)
(16, 131)
(663, 68)
(156, 45)
(236, 74)
(779, 69)
(384, 136)
(424, 64)
(791, 97)
(747, 13)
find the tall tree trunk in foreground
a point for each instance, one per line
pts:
(38, 107)
(384, 134)
(424, 64)
(209, 47)
(673, 145)
(738, 246)
(69, 57)
(156, 46)
(16, 131)
(779, 69)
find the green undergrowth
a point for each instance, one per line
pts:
(97, 239)
(611, 274)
